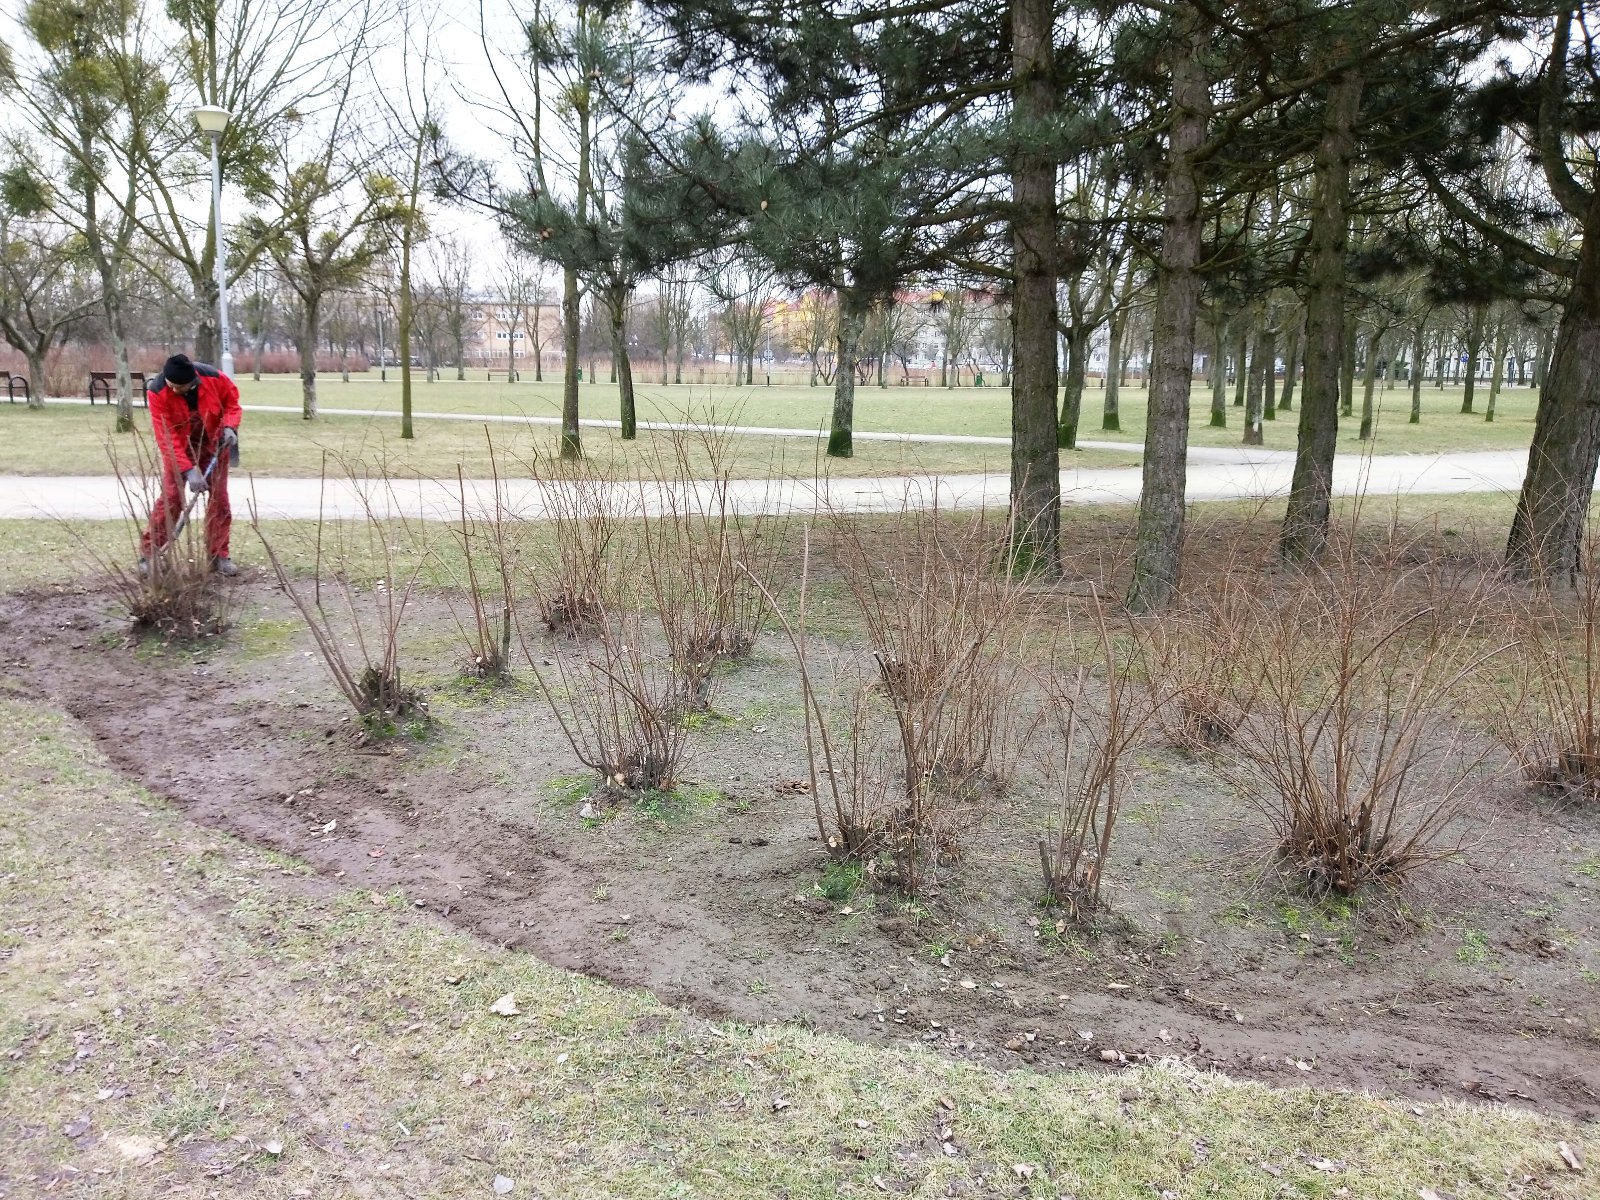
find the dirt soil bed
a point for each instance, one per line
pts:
(1481, 980)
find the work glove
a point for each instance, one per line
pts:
(230, 437)
(197, 481)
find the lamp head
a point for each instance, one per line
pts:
(211, 119)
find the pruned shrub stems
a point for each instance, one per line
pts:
(1093, 718)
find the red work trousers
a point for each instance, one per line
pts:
(174, 495)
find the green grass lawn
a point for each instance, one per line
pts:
(984, 412)
(972, 411)
(76, 440)
(185, 1014)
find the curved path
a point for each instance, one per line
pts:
(1214, 474)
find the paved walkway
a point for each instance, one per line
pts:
(1215, 474)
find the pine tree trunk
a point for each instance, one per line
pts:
(1305, 524)
(1269, 350)
(1035, 454)
(1241, 356)
(1474, 348)
(1255, 391)
(1547, 530)
(1072, 393)
(1159, 539)
(1438, 363)
(1291, 368)
(310, 334)
(1498, 373)
(1219, 377)
(571, 436)
(852, 319)
(1369, 383)
(1418, 343)
(618, 304)
(1112, 416)
(1347, 374)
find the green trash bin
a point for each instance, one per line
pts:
(580, 374)
(978, 382)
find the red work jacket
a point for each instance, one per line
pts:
(215, 402)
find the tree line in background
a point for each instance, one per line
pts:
(1337, 193)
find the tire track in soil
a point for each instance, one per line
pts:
(230, 756)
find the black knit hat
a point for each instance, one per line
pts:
(179, 370)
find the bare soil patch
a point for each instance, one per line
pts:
(1481, 980)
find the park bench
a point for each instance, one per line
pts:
(13, 382)
(508, 376)
(106, 381)
(920, 381)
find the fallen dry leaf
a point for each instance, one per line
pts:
(506, 1006)
(1275, 1172)
(502, 1185)
(779, 1104)
(1571, 1155)
(1024, 1170)
(274, 1147)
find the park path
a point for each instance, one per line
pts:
(1214, 474)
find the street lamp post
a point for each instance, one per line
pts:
(213, 121)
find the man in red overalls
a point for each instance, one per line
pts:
(194, 412)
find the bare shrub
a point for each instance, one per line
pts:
(370, 678)
(1198, 653)
(1545, 703)
(571, 575)
(488, 556)
(620, 704)
(946, 623)
(1093, 718)
(703, 561)
(1351, 752)
(174, 594)
(849, 793)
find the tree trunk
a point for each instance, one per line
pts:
(623, 363)
(852, 319)
(1417, 350)
(1347, 374)
(1072, 393)
(1219, 376)
(1291, 368)
(1159, 539)
(1498, 373)
(205, 297)
(310, 326)
(1438, 363)
(1547, 530)
(36, 378)
(1369, 382)
(571, 438)
(1269, 353)
(1305, 524)
(1241, 355)
(1480, 315)
(1255, 390)
(1112, 418)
